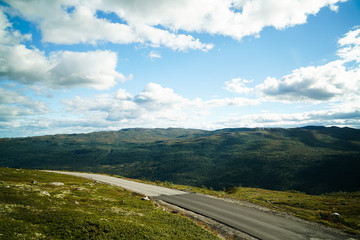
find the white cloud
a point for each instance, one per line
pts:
(81, 25)
(330, 82)
(23, 65)
(238, 102)
(164, 23)
(37, 126)
(279, 14)
(91, 69)
(4, 24)
(157, 22)
(154, 102)
(236, 18)
(123, 95)
(155, 106)
(351, 38)
(9, 35)
(350, 44)
(237, 85)
(154, 55)
(323, 83)
(14, 106)
(111, 112)
(156, 37)
(343, 115)
(156, 97)
(62, 69)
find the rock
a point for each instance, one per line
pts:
(45, 193)
(57, 184)
(337, 215)
(146, 198)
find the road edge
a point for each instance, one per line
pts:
(221, 230)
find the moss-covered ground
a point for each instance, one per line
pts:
(33, 207)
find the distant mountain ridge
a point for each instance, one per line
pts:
(312, 159)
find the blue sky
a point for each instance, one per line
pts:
(83, 66)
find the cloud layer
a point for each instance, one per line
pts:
(154, 106)
(14, 105)
(343, 115)
(159, 22)
(61, 69)
(75, 24)
(237, 85)
(334, 81)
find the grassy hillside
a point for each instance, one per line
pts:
(311, 159)
(32, 207)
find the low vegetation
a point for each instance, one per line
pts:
(40, 205)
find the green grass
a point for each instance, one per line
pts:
(82, 209)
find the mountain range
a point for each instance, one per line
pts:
(310, 159)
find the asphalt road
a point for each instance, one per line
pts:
(142, 188)
(252, 221)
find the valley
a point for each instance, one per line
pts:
(313, 160)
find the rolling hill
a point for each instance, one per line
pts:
(310, 159)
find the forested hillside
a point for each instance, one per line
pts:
(309, 159)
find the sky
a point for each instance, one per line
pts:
(79, 66)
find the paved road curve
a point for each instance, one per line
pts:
(249, 220)
(142, 188)
(254, 222)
